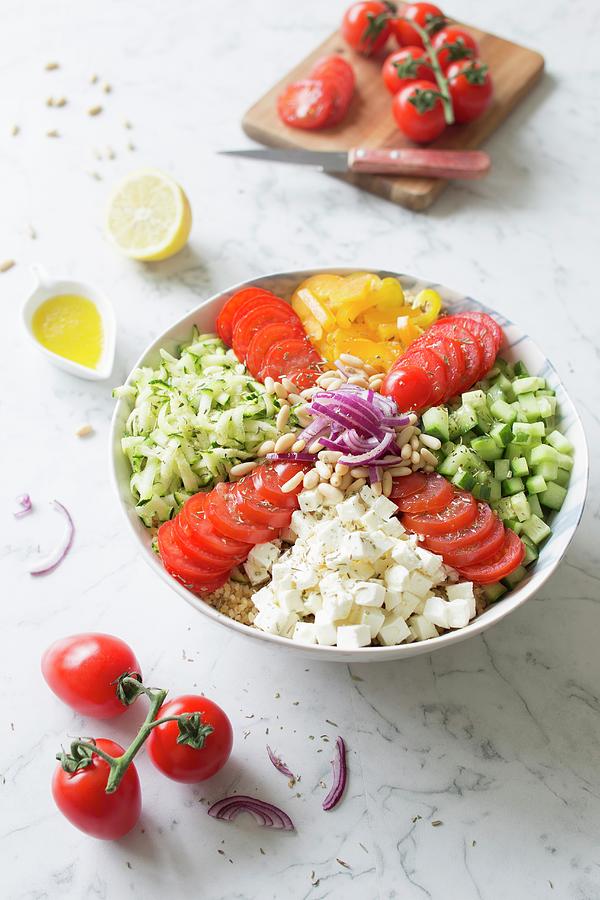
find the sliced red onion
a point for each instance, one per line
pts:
(316, 427)
(24, 501)
(348, 419)
(340, 776)
(395, 421)
(373, 477)
(279, 763)
(263, 813)
(45, 566)
(333, 445)
(371, 455)
(294, 457)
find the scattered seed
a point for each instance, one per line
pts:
(284, 443)
(242, 469)
(110, 153)
(32, 233)
(324, 470)
(437, 822)
(299, 446)
(311, 480)
(359, 381)
(14, 130)
(377, 489)
(130, 146)
(50, 101)
(50, 66)
(266, 447)
(342, 863)
(346, 482)
(84, 430)
(430, 441)
(399, 471)
(303, 416)
(7, 264)
(428, 457)
(53, 133)
(315, 447)
(93, 79)
(282, 418)
(415, 457)
(269, 385)
(127, 123)
(95, 175)
(295, 398)
(106, 87)
(94, 110)
(429, 468)
(62, 101)
(413, 418)
(330, 493)
(330, 456)
(280, 391)
(359, 472)
(294, 482)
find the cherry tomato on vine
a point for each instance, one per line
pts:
(182, 762)
(82, 799)
(427, 15)
(366, 26)
(82, 670)
(453, 44)
(405, 66)
(470, 89)
(419, 112)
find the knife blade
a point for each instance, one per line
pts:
(415, 161)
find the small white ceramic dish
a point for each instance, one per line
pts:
(519, 346)
(45, 288)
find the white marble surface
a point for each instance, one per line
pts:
(497, 738)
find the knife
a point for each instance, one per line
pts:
(414, 161)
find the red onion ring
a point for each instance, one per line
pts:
(263, 813)
(371, 455)
(45, 566)
(279, 763)
(340, 776)
(24, 501)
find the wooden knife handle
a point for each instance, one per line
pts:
(420, 162)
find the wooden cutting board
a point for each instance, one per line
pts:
(370, 123)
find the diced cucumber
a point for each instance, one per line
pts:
(475, 399)
(543, 453)
(435, 422)
(515, 578)
(482, 491)
(565, 462)
(505, 386)
(463, 479)
(461, 421)
(495, 394)
(501, 433)
(534, 506)
(514, 525)
(559, 442)
(547, 392)
(534, 429)
(503, 411)
(536, 529)
(562, 477)
(530, 407)
(512, 486)
(495, 490)
(531, 551)
(487, 448)
(535, 484)
(519, 466)
(501, 469)
(547, 470)
(493, 592)
(554, 496)
(448, 447)
(464, 457)
(528, 384)
(513, 451)
(484, 422)
(546, 406)
(521, 506)
(520, 370)
(504, 508)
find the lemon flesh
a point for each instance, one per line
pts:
(149, 216)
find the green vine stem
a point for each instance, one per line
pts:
(442, 81)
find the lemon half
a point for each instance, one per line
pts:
(149, 216)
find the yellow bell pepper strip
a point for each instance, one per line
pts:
(430, 302)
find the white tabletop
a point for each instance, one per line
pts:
(497, 739)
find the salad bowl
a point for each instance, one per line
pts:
(518, 346)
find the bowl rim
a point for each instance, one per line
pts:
(514, 599)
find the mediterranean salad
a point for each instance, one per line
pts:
(355, 467)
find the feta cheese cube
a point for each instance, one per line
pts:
(367, 496)
(305, 579)
(374, 618)
(353, 546)
(368, 593)
(313, 602)
(301, 524)
(436, 612)
(351, 510)
(371, 521)
(421, 628)
(458, 613)
(305, 633)
(329, 535)
(402, 602)
(309, 501)
(361, 570)
(259, 561)
(290, 601)
(418, 583)
(396, 577)
(394, 629)
(264, 598)
(351, 637)
(384, 507)
(380, 542)
(393, 527)
(403, 554)
(274, 620)
(430, 563)
(338, 605)
(463, 590)
(325, 630)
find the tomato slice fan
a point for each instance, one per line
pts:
(458, 514)
(489, 322)
(484, 337)
(265, 299)
(432, 498)
(506, 560)
(223, 513)
(196, 552)
(305, 378)
(454, 359)
(470, 349)
(270, 478)
(339, 74)
(306, 104)
(258, 510)
(409, 385)
(454, 540)
(478, 552)
(205, 535)
(231, 306)
(291, 355)
(266, 338)
(178, 564)
(252, 322)
(408, 485)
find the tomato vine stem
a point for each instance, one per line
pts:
(442, 81)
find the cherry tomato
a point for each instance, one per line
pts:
(460, 513)
(453, 44)
(82, 799)
(427, 15)
(419, 112)
(454, 540)
(404, 66)
(434, 366)
(470, 89)
(366, 26)
(409, 385)
(306, 104)
(506, 560)
(82, 669)
(480, 551)
(435, 496)
(180, 761)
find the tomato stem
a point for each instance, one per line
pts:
(121, 763)
(442, 81)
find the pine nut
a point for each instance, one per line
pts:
(335, 384)
(336, 480)
(315, 447)
(304, 417)
(357, 485)
(311, 480)
(432, 442)
(280, 391)
(400, 471)
(359, 381)
(375, 383)
(269, 385)
(406, 452)
(415, 457)
(284, 443)
(346, 482)
(241, 469)
(369, 369)
(428, 469)
(351, 360)
(309, 393)
(265, 447)
(405, 435)
(330, 456)
(428, 457)
(325, 380)
(294, 482)
(324, 470)
(414, 442)
(299, 446)
(289, 385)
(282, 417)
(387, 484)
(359, 472)
(294, 399)
(413, 418)
(417, 431)
(341, 469)
(330, 493)
(377, 489)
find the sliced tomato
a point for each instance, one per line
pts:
(224, 515)
(478, 552)
(305, 378)
(489, 323)
(339, 74)
(184, 537)
(455, 540)
(470, 349)
(484, 337)
(266, 299)
(306, 104)
(506, 560)
(266, 338)
(193, 515)
(269, 479)
(433, 365)
(409, 385)
(432, 498)
(252, 322)
(459, 514)
(231, 306)
(179, 565)
(454, 359)
(408, 485)
(288, 356)
(257, 509)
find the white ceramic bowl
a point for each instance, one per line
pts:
(520, 347)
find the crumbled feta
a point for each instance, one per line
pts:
(429, 562)
(305, 579)
(313, 602)
(396, 578)
(436, 612)
(421, 628)
(458, 613)
(369, 593)
(325, 630)
(402, 602)
(351, 510)
(463, 591)
(393, 527)
(403, 554)
(338, 605)
(264, 598)
(394, 630)
(351, 637)
(305, 633)
(260, 560)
